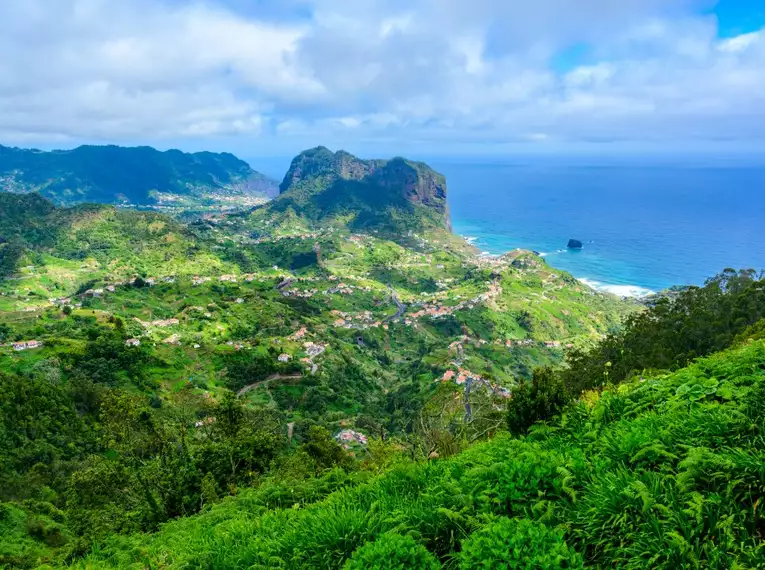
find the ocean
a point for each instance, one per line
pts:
(646, 224)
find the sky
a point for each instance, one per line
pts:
(376, 77)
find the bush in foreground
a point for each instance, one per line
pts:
(518, 544)
(392, 552)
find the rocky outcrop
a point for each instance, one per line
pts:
(376, 193)
(321, 161)
(575, 244)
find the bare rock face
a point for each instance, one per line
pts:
(320, 161)
(322, 184)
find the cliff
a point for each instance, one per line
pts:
(395, 194)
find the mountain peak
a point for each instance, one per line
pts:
(396, 194)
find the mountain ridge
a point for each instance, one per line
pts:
(140, 176)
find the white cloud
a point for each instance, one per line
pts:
(587, 75)
(740, 43)
(434, 71)
(97, 69)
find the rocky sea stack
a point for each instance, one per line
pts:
(575, 244)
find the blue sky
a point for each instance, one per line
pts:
(737, 17)
(421, 77)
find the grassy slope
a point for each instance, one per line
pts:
(663, 473)
(114, 245)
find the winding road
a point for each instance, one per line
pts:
(399, 305)
(268, 380)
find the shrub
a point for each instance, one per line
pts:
(392, 551)
(518, 544)
(544, 398)
(517, 481)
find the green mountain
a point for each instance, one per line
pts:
(102, 240)
(140, 176)
(394, 196)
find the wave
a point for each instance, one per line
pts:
(618, 290)
(470, 239)
(556, 252)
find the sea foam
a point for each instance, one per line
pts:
(618, 290)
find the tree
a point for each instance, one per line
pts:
(324, 449)
(546, 396)
(675, 329)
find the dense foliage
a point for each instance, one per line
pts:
(395, 196)
(392, 552)
(518, 544)
(675, 330)
(164, 367)
(665, 473)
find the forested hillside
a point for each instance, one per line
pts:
(140, 176)
(662, 472)
(390, 196)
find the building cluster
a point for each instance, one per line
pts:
(313, 349)
(161, 323)
(276, 239)
(341, 288)
(435, 311)
(348, 437)
(361, 321)
(298, 334)
(27, 345)
(205, 422)
(464, 377)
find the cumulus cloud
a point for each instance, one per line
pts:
(437, 72)
(96, 68)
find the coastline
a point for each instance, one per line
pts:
(633, 291)
(619, 289)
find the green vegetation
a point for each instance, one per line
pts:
(392, 552)
(140, 176)
(280, 389)
(518, 544)
(653, 474)
(696, 322)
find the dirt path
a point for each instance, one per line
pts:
(268, 380)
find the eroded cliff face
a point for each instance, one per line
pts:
(318, 175)
(417, 183)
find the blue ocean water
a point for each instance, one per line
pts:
(645, 224)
